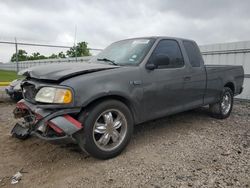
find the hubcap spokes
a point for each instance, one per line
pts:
(226, 103)
(110, 129)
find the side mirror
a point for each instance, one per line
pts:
(158, 60)
(162, 60)
(150, 66)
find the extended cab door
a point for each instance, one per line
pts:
(195, 80)
(163, 86)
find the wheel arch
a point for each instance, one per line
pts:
(231, 86)
(120, 98)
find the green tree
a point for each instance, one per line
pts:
(36, 56)
(21, 55)
(80, 50)
(53, 56)
(61, 55)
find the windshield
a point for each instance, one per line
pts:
(125, 52)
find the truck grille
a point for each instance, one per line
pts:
(29, 92)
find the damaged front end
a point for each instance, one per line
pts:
(56, 126)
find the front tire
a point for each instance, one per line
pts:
(223, 108)
(108, 127)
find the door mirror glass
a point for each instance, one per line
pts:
(162, 60)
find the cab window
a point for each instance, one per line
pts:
(193, 53)
(171, 49)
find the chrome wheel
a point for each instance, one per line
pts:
(226, 103)
(109, 129)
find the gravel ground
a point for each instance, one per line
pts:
(190, 149)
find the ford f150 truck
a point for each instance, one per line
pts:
(97, 104)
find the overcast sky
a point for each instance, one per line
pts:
(100, 22)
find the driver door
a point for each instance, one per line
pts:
(164, 85)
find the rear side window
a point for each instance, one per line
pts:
(172, 49)
(193, 53)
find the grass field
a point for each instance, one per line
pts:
(8, 76)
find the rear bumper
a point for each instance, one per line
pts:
(53, 125)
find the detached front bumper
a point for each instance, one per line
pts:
(56, 126)
(9, 90)
(14, 94)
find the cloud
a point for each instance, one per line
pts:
(100, 22)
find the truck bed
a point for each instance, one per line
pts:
(218, 75)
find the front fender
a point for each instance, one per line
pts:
(110, 83)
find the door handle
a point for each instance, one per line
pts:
(187, 78)
(136, 82)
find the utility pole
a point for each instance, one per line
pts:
(17, 66)
(75, 44)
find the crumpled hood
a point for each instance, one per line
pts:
(61, 71)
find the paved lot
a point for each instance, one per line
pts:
(190, 149)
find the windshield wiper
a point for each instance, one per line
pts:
(107, 60)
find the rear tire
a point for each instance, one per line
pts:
(108, 127)
(223, 108)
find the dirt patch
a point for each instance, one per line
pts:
(190, 149)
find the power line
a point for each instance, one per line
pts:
(42, 45)
(34, 44)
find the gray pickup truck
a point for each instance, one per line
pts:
(97, 104)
